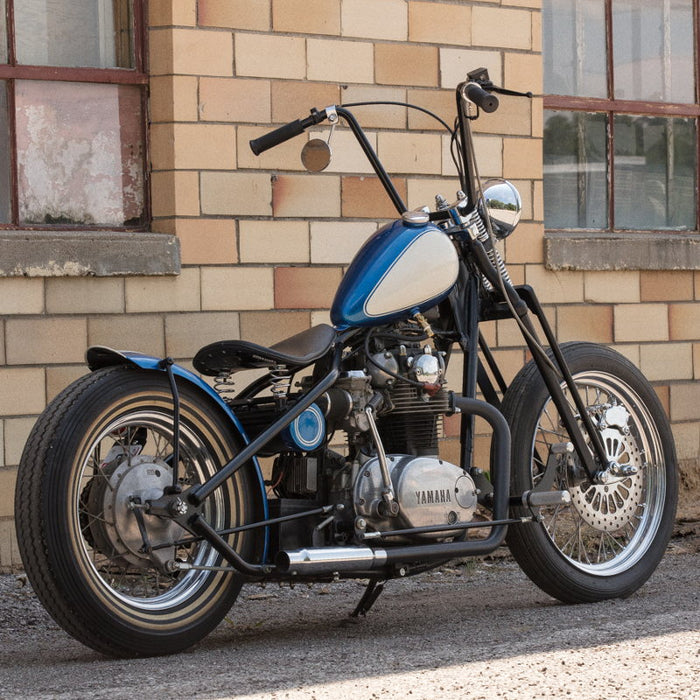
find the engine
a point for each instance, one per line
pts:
(389, 402)
(410, 377)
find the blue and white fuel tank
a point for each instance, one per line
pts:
(402, 269)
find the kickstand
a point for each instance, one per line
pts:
(372, 592)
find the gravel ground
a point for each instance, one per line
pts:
(470, 630)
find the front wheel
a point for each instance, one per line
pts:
(610, 538)
(121, 581)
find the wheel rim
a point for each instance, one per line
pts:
(116, 465)
(607, 528)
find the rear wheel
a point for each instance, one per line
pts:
(610, 538)
(103, 447)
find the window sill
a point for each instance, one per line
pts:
(583, 250)
(87, 253)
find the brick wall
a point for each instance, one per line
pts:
(264, 244)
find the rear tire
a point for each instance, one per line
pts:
(609, 540)
(103, 440)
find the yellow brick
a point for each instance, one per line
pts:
(525, 244)
(16, 433)
(410, 152)
(141, 332)
(10, 561)
(204, 146)
(292, 99)
(523, 72)
(202, 52)
(340, 61)
(269, 327)
(2, 443)
(241, 194)
(620, 287)
(174, 193)
(687, 439)
(173, 98)
(274, 241)
(186, 333)
(590, 322)
(336, 242)
(2, 350)
(20, 295)
(207, 241)
(234, 100)
(306, 16)
(439, 23)
(23, 391)
(696, 360)
(45, 340)
(84, 295)
(160, 51)
(685, 399)
(172, 12)
(555, 287)
(406, 64)
(456, 63)
(639, 322)
(306, 195)
(261, 56)
(237, 288)
(514, 28)
(522, 158)
(179, 293)
(370, 19)
(665, 361)
(489, 154)
(235, 14)
(685, 321)
(8, 478)
(538, 200)
(666, 285)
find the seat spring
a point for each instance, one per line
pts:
(280, 380)
(224, 384)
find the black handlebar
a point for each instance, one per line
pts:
(284, 133)
(485, 100)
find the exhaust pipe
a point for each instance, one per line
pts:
(329, 560)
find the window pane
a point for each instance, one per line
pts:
(653, 50)
(575, 170)
(574, 48)
(654, 173)
(74, 33)
(5, 188)
(79, 153)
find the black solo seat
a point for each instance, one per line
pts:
(296, 352)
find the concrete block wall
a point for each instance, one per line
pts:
(264, 244)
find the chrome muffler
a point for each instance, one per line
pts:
(329, 560)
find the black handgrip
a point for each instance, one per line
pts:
(274, 138)
(481, 98)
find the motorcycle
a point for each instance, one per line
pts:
(141, 506)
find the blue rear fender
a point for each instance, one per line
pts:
(99, 356)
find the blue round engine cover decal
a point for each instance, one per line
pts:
(307, 431)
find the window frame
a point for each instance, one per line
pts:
(61, 250)
(618, 249)
(138, 76)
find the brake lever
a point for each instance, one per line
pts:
(505, 91)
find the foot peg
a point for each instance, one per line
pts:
(535, 499)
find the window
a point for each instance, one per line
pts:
(621, 109)
(72, 106)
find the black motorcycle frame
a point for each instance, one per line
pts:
(468, 309)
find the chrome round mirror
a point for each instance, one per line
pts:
(316, 155)
(503, 206)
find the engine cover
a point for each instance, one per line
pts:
(429, 492)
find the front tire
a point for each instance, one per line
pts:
(609, 540)
(102, 445)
